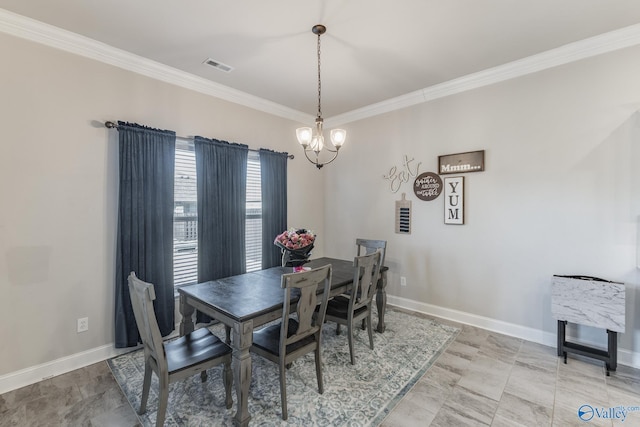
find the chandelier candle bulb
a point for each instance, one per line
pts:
(304, 136)
(338, 136)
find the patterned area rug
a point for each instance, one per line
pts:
(360, 395)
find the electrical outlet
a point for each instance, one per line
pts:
(83, 324)
(403, 281)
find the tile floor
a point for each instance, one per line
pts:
(483, 378)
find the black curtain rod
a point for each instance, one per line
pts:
(113, 125)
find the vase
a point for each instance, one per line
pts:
(296, 257)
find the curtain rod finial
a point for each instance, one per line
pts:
(110, 124)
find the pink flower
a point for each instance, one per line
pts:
(295, 238)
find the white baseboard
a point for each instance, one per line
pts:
(625, 357)
(31, 375)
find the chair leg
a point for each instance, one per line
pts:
(163, 399)
(319, 370)
(283, 390)
(364, 325)
(337, 328)
(146, 385)
(350, 334)
(228, 380)
(203, 376)
(370, 330)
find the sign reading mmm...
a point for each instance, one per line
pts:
(472, 161)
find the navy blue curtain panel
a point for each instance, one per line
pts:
(145, 225)
(273, 170)
(221, 171)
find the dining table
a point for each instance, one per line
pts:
(247, 301)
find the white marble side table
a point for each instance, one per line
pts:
(593, 302)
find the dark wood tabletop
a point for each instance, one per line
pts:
(253, 294)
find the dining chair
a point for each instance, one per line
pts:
(368, 246)
(292, 338)
(347, 309)
(365, 247)
(177, 359)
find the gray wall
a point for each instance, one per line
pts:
(560, 195)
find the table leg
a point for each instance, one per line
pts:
(227, 334)
(381, 301)
(186, 324)
(241, 342)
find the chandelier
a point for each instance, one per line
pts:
(312, 139)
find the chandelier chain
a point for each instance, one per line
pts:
(319, 81)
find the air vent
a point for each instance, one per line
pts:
(218, 65)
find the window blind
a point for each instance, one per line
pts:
(185, 217)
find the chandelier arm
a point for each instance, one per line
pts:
(316, 162)
(326, 147)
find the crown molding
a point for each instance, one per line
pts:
(593, 46)
(30, 29)
(39, 32)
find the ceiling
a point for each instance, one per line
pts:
(373, 51)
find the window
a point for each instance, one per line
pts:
(253, 238)
(185, 215)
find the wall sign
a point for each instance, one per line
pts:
(454, 200)
(472, 161)
(407, 171)
(403, 216)
(427, 186)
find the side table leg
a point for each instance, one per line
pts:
(612, 338)
(561, 337)
(186, 324)
(381, 301)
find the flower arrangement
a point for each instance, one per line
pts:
(296, 245)
(295, 239)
